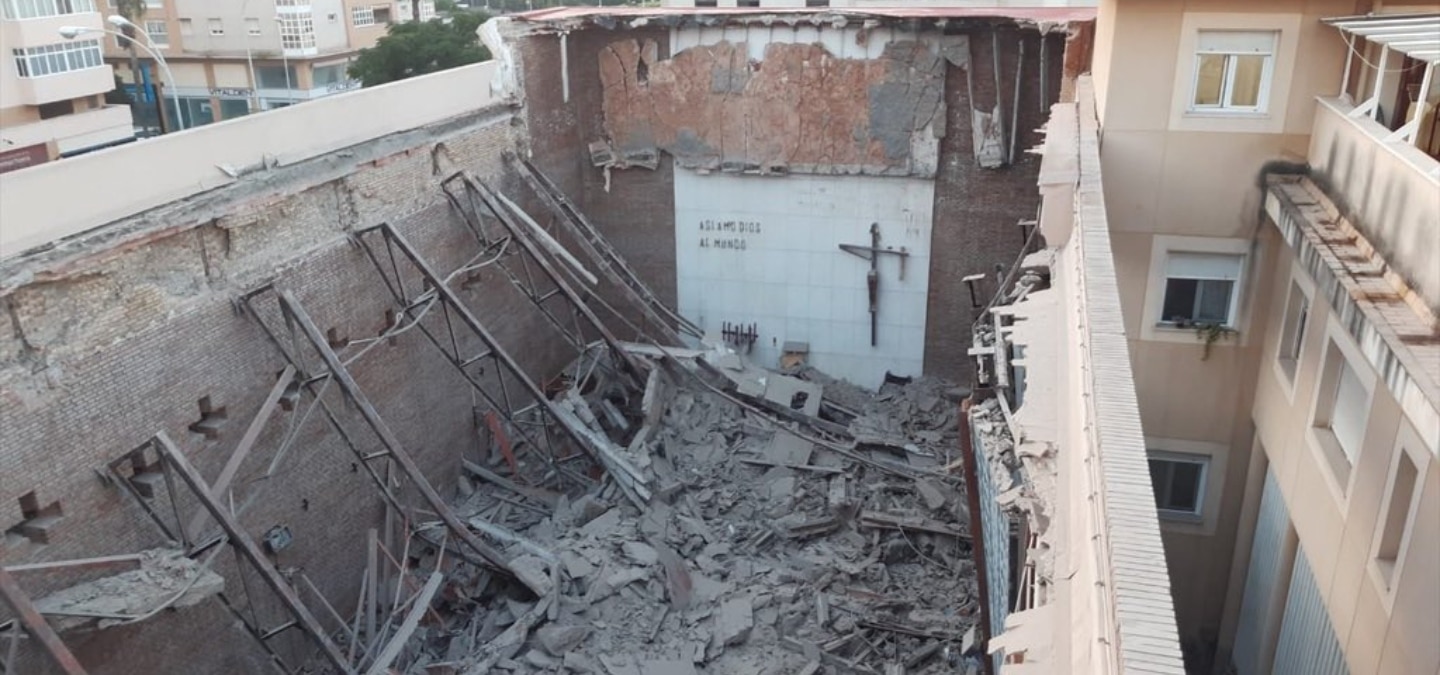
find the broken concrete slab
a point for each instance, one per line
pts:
(931, 493)
(734, 621)
(561, 640)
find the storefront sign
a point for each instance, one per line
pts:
(19, 158)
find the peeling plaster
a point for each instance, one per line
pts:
(798, 109)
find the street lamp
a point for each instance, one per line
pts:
(72, 32)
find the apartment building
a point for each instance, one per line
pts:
(230, 58)
(1274, 203)
(52, 89)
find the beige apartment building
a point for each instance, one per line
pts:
(52, 90)
(1274, 203)
(234, 57)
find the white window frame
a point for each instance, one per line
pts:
(252, 26)
(1226, 103)
(361, 17)
(1201, 500)
(21, 10)
(163, 39)
(427, 10)
(1408, 445)
(216, 27)
(58, 58)
(297, 32)
(1154, 327)
(1337, 465)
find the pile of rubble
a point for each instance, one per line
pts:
(768, 523)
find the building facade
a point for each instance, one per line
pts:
(235, 57)
(52, 89)
(1271, 182)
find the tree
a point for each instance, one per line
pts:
(416, 48)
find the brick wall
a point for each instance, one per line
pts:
(129, 342)
(976, 210)
(637, 212)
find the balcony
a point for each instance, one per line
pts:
(20, 33)
(1389, 188)
(79, 131)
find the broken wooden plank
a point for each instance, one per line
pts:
(402, 635)
(812, 528)
(760, 461)
(511, 537)
(812, 650)
(507, 643)
(898, 522)
(35, 624)
(105, 561)
(540, 494)
(247, 547)
(242, 450)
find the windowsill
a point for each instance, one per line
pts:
(1228, 114)
(1382, 574)
(1336, 467)
(1180, 516)
(1285, 369)
(1165, 331)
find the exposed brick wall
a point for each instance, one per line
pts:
(637, 213)
(97, 363)
(976, 210)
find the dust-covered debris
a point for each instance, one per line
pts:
(166, 579)
(763, 523)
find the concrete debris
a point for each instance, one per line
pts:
(781, 532)
(166, 579)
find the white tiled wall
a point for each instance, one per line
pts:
(793, 280)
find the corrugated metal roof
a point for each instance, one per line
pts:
(1414, 35)
(1045, 14)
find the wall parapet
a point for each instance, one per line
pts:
(112, 184)
(1133, 584)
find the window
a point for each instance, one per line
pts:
(252, 26)
(747, 3)
(34, 9)
(1292, 335)
(1232, 70)
(362, 16)
(1201, 288)
(381, 13)
(1179, 483)
(705, 3)
(1399, 506)
(297, 31)
(232, 108)
(427, 10)
(217, 27)
(187, 27)
(58, 58)
(159, 33)
(1342, 406)
(275, 77)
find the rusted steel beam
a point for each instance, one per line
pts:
(35, 624)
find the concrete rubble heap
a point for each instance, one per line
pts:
(771, 524)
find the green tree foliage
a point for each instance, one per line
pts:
(416, 48)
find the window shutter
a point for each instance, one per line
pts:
(1235, 42)
(1203, 266)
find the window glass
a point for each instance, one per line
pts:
(1210, 79)
(1347, 421)
(1246, 89)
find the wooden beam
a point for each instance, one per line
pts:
(252, 433)
(351, 389)
(407, 627)
(84, 562)
(35, 624)
(247, 547)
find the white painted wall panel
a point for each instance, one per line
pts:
(792, 279)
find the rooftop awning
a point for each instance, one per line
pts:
(1414, 35)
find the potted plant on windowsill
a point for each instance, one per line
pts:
(1210, 332)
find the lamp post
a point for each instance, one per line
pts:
(72, 32)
